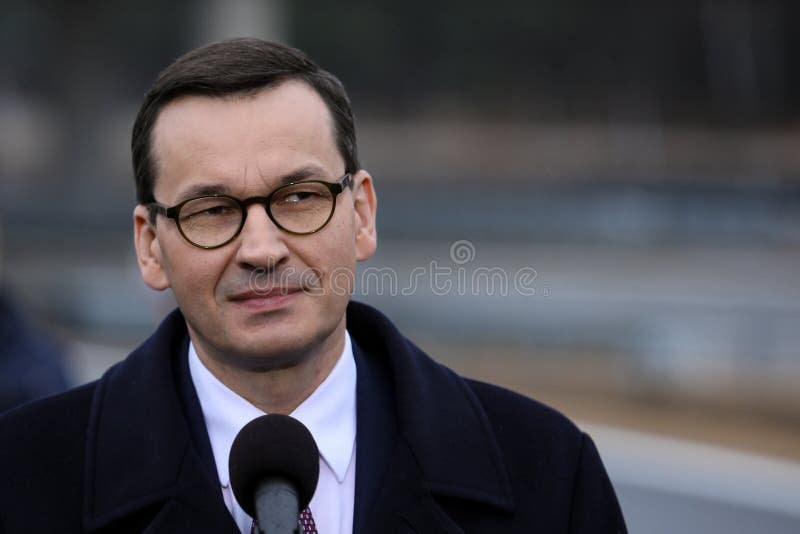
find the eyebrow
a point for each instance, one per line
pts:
(297, 175)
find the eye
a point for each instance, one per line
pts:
(216, 210)
(301, 194)
(208, 208)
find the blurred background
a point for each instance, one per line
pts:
(595, 204)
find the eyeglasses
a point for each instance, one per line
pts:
(213, 221)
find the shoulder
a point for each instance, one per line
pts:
(43, 433)
(526, 429)
(52, 424)
(505, 407)
(540, 444)
(56, 410)
(417, 377)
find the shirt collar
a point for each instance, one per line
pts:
(329, 413)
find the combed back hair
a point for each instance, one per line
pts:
(236, 67)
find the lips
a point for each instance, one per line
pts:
(267, 300)
(265, 293)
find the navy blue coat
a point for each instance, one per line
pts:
(435, 452)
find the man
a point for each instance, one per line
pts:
(254, 210)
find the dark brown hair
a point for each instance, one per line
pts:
(236, 66)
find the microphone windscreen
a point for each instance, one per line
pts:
(271, 446)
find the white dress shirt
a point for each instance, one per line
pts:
(329, 413)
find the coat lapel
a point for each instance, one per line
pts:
(433, 425)
(142, 467)
(405, 502)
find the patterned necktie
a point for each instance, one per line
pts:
(306, 522)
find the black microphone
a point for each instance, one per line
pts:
(274, 467)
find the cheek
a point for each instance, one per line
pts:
(194, 274)
(335, 260)
(330, 260)
(337, 253)
(334, 247)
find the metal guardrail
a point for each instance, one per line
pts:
(666, 485)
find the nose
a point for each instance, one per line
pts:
(261, 242)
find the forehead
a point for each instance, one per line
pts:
(243, 142)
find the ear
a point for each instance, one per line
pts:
(148, 251)
(366, 204)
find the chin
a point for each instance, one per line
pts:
(264, 364)
(272, 354)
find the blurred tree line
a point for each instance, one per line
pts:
(727, 62)
(719, 61)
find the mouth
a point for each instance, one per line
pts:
(264, 301)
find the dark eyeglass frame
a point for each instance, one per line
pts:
(173, 212)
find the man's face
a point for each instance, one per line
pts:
(245, 146)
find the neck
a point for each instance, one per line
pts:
(281, 389)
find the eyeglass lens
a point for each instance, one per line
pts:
(298, 208)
